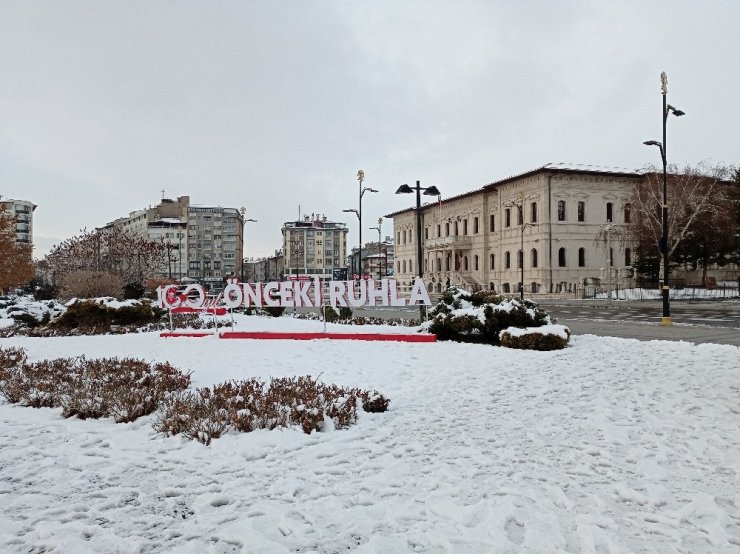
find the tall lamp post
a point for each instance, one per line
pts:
(359, 263)
(380, 264)
(429, 191)
(363, 190)
(663, 246)
(521, 251)
(242, 211)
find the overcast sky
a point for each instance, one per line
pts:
(274, 105)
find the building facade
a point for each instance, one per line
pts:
(204, 243)
(552, 229)
(22, 210)
(314, 247)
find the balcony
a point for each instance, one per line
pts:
(458, 243)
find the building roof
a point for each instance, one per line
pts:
(552, 168)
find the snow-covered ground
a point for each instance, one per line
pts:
(724, 290)
(610, 445)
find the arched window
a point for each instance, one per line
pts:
(581, 257)
(581, 211)
(491, 286)
(609, 211)
(627, 213)
(533, 212)
(561, 257)
(447, 229)
(519, 259)
(507, 217)
(493, 261)
(561, 210)
(507, 259)
(534, 257)
(627, 256)
(475, 262)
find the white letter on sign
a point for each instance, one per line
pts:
(267, 293)
(419, 293)
(374, 295)
(336, 293)
(395, 300)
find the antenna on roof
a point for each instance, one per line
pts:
(162, 194)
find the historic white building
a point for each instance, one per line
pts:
(551, 228)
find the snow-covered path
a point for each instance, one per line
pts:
(611, 445)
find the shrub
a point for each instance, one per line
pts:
(274, 311)
(90, 284)
(92, 316)
(480, 317)
(330, 313)
(345, 313)
(133, 291)
(123, 389)
(252, 404)
(550, 337)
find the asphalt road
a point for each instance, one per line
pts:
(698, 321)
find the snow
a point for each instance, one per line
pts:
(552, 329)
(724, 290)
(610, 445)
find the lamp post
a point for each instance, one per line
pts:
(663, 246)
(380, 264)
(243, 211)
(363, 190)
(359, 262)
(521, 255)
(429, 191)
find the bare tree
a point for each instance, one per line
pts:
(16, 265)
(110, 250)
(696, 194)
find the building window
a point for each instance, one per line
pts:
(581, 211)
(492, 261)
(411, 266)
(519, 259)
(475, 262)
(627, 257)
(398, 267)
(439, 230)
(426, 233)
(447, 262)
(609, 211)
(561, 210)
(447, 229)
(507, 217)
(492, 223)
(404, 266)
(627, 213)
(465, 226)
(561, 257)
(581, 257)
(439, 264)
(533, 212)
(507, 260)
(520, 215)
(457, 228)
(465, 263)
(534, 257)
(398, 237)
(475, 225)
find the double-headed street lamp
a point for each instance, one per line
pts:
(663, 246)
(429, 191)
(380, 264)
(363, 190)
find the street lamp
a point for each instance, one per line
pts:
(380, 264)
(352, 210)
(363, 190)
(663, 246)
(243, 211)
(429, 191)
(521, 255)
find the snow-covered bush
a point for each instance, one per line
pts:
(546, 337)
(97, 315)
(90, 284)
(251, 404)
(480, 316)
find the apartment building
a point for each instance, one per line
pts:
(204, 243)
(548, 228)
(22, 210)
(314, 247)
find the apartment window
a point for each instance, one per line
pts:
(609, 211)
(194, 265)
(533, 212)
(561, 257)
(507, 259)
(475, 262)
(475, 225)
(581, 211)
(492, 223)
(627, 213)
(519, 259)
(507, 217)
(465, 226)
(561, 210)
(534, 257)
(492, 261)
(581, 257)
(627, 257)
